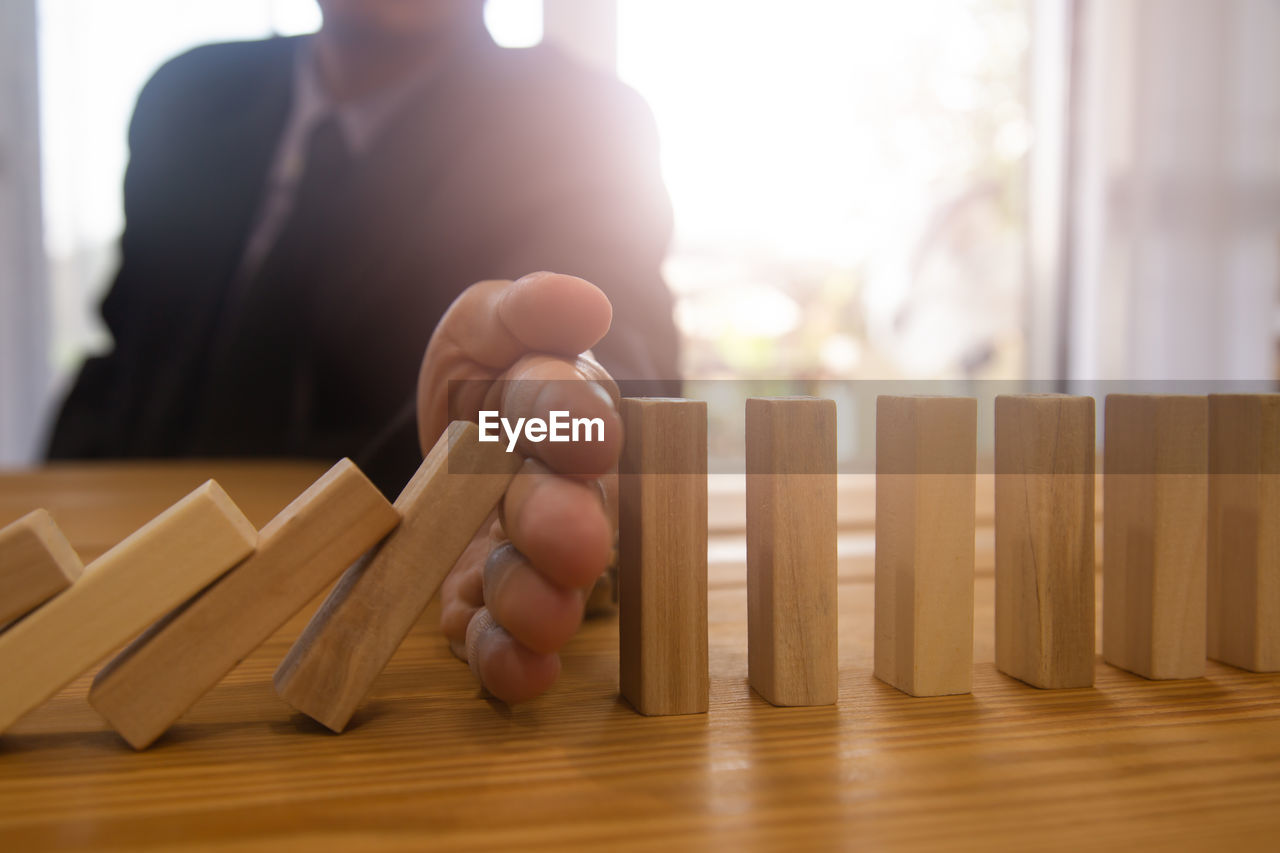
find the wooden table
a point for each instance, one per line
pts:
(429, 763)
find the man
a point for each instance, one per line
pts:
(301, 213)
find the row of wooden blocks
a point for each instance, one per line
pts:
(1191, 546)
(219, 588)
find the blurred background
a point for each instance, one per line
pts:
(919, 189)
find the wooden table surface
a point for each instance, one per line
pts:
(428, 762)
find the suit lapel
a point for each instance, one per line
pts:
(238, 150)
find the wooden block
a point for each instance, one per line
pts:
(791, 550)
(662, 556)
(926, 480)
(355, 632)
(36, 563)
(1155, 509)
(1244, 531)
(162, 673)
(162, 564)
(1044, 527)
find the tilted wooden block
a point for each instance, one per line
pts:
(162, 673)
(662, 556)
(791, 550)
(36, 563)
(1044, 528)
(159, 566)
(926, 480)
(1244, 530)
(355, 632)
(1155, 510)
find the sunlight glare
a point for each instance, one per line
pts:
(514, 23)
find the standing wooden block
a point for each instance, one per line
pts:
(662, 556)
(36, 563)
(1044, 539)
(926, 480)
(161, 565)
(791, 550)
(1244, 530)
(162, 674)
(355, 632)
(1155, 510)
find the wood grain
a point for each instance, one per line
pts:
(791, 549)
(1044, 526)
(161, 674)
(662, 556)
(1243, 590)
(355, 632)
(36, 563)
(926, 462)
(428, 764)
(1155, 517)
(153, 570)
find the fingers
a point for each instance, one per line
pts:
(510, 606)
(493, 324)
(507, 669)
(538, 614)
(583, 392)
(560, 525)
(462, 592)
(511, 612)
(512, 639)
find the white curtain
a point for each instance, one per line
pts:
(1174, 195)
(24, 325)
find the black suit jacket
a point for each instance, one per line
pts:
(506, 163)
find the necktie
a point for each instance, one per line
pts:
(258, 380)
(328, 161)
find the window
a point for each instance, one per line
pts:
(847, 180)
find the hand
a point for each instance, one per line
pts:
(516, 595)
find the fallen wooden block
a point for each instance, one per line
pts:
(155, 569)
(926, 476)
(359, 626)
(662, 556)
(1155, 509)
(1044, 526)
(162, 673)
(1244, 531)
(36, 563)
(791, 550)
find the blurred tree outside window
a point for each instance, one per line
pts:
(848, 181)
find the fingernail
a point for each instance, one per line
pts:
(533, 276)
(479, 627)
(500, 559)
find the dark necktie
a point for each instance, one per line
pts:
(258, 397)
(327, 165)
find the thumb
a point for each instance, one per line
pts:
(494, 323)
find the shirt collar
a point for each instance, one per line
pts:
(361, 120)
